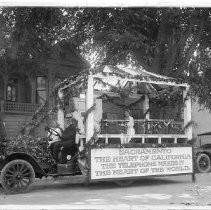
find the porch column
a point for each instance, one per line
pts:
(187, 113)
(5, 86)
(33, 91)
(51, 83)
(146, 106)
(89, 104)
(1, 106)
(60, 115)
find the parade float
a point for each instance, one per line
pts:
(160, 107)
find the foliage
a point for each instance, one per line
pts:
(30, 145)
(170, 41)
(31, 30)
(28, 34)
(155, 37)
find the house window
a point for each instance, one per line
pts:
(11, 94)
(40, 90)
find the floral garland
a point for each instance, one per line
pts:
(190, 124)
(139, 77)
(92, 108)
(123, 92)
(38, 117)
(136, 145)
(70, 81)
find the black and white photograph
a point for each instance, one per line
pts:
(105, 105)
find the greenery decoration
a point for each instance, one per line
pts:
(137, 145)
(37, 148)
(92, 108)
(190, 124)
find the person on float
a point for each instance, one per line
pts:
(130, 131)
(75, 114)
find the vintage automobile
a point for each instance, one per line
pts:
(203, 152)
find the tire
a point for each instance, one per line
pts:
(17, 176)
(124, 183)
(203, 163)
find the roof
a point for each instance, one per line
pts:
(131, 71)
(146, 82)
(66, 53)
(110, 78)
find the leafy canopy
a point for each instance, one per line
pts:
(170, 41)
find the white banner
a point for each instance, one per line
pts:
(134, 162)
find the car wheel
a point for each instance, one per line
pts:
(17, 176)
(124, 183)
(203, 163)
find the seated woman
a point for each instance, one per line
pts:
(129, 126)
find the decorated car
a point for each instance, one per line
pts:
(136, 124)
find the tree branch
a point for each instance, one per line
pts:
(197, 38)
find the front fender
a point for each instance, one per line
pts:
(2, 161)
(24, 156)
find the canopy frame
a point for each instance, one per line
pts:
(89, 99)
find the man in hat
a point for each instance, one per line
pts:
(67, 143)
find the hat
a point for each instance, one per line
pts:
(69, 115)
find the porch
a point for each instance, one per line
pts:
(19, 108)
(15, 115)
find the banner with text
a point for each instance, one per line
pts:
(132, 162)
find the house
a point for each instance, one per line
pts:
(22, 91)
(202, 119)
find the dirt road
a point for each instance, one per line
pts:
(173, 191)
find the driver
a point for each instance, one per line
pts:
(75, 126)
(54, 134)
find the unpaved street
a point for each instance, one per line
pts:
(174, 190)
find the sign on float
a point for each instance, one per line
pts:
(134, 162)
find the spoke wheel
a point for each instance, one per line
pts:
(203, 163)
(17, 176)
(124, 183)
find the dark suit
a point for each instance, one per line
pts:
(67, 143)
